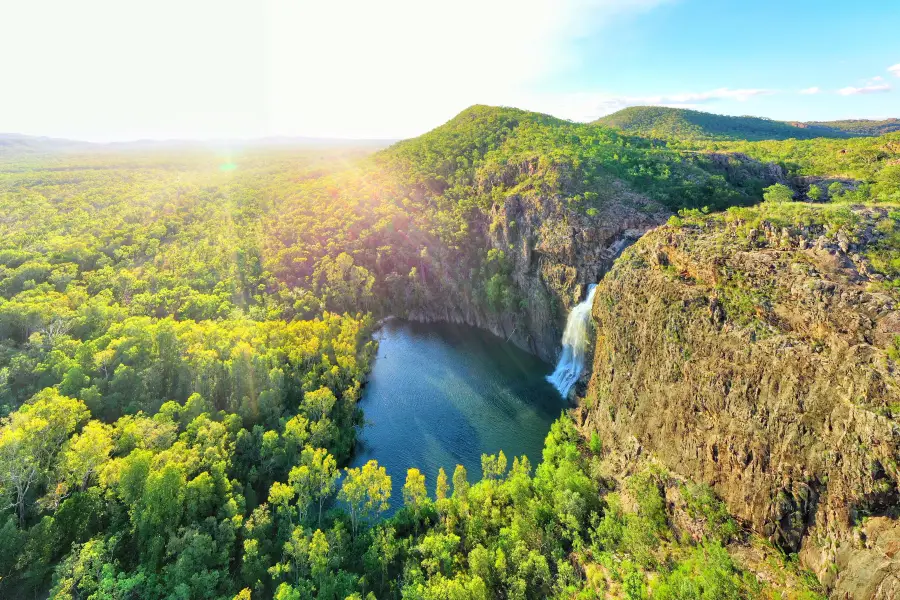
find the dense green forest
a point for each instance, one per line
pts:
(185, 334)
(861, 127)
(680, 124)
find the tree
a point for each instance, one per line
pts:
(438, 550)
(80, 574)
(442, 487)
(778, 193)
(342, 284)
(383, 550)
(296, 550)
(287, 592)
(296, 433)
(493, 465)
(85, 453)
(366, 491)
(633, 583)
(315, 478)
(29, 442)
(159, 512)
(281, 496)
(815, 193)
(415, 494)
(318, 556)
(835, 190)
(441, 491)
(460, 484)
(319, 403)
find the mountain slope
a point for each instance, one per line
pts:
(857, 127)
(678, 123)
(665, 123)
(14, 144)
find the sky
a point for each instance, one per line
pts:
(113, 70)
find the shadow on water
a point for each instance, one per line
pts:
(441, 395)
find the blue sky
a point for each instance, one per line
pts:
(106, 70)
(692, 46)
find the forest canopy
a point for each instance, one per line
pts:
(185, 334)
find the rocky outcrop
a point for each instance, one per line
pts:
(557, 252)
(756, 352)
(740, 169)
(555, 248)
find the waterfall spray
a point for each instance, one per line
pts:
(575, 344)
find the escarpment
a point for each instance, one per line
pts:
(756, 351)
(551, 251)
(557, 252)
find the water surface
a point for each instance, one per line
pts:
(441, 395)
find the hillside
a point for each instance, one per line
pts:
(678, 123)
(862, 169)
(682, 124)
(185, 329)
(13, 144)
(860, 127)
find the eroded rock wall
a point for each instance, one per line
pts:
(758, 359)
(556, 250)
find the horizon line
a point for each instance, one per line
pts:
(374, 140)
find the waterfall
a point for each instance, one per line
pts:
(575, 344)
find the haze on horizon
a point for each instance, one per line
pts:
(102, 70)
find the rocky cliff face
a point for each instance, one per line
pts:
(756, 352)
(555, 249)
(557, 252)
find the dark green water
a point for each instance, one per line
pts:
(441, 395)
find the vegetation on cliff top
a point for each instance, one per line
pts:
(869, 234)
(856, 170)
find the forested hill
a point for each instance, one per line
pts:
(861, 127)
(678, 123)
(14, 144)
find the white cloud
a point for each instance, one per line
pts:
(895, 69)
(866, 89)
(811, 90)
(106, 69)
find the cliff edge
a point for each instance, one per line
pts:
(756, 351)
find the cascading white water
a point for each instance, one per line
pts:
(575, 344)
